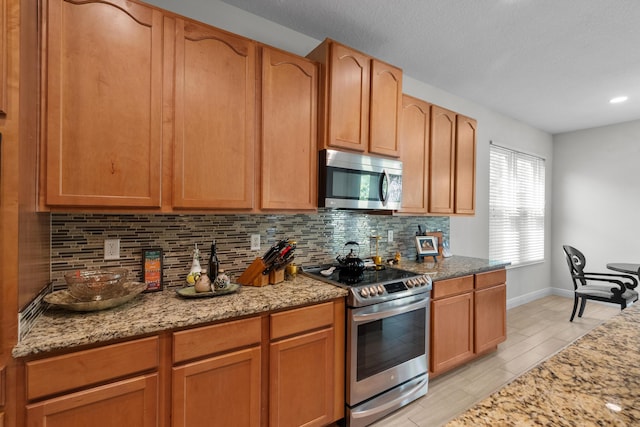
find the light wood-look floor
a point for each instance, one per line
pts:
(535, 331)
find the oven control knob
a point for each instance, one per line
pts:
(373, 291)
(364, 292)
(380, 290)
(410, 283)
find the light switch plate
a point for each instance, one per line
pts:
(390, 236)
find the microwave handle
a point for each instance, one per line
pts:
(384, 195)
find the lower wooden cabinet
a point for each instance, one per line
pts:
(278, 369)
(301, 368)
(222, 390)
(490, 310)
(452, 331)
(468, 318)
(131, 402)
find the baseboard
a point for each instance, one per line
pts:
(523, 299)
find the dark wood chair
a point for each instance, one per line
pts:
(606, 287)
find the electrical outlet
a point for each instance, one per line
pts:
(390, 236)
(112, 249)
(255, 242)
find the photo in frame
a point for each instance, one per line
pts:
(427, 245)
(152, 269)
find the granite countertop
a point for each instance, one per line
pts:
(59, 329)
(455, 266)
(593, 381)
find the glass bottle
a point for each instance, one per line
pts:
(214, 263)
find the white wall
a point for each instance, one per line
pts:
(469, 235)
(596, 200)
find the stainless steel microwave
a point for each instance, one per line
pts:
(356, 181)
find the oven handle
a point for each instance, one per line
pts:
(376, 315)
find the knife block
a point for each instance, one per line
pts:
(276, 276)
(253, 276)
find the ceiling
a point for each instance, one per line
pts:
(553, 64)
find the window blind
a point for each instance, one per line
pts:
(516, 206)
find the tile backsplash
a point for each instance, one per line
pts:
(77, 240)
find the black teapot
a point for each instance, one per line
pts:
(350, 263)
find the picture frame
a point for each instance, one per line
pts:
(427, 245)
(152, 269)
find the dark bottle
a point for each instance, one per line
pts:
(214, 263)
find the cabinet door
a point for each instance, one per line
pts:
(414, 143)
(219, 391)
(385, 107)
(490, 317)
(301, 380)
(451, 332)
(289, 152)
(349, 91)
(103, 106)
(132, 402)
(214, 118)
(465, 165)
(441, 178)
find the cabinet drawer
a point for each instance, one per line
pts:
(301, 319)
(491, 278)
(88, 367)
(444, 288)
(208, 340)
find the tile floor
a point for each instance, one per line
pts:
(535, 331)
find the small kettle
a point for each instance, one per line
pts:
(351, 263)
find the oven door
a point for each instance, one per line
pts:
(387, 345)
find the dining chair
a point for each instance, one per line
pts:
(606, 287)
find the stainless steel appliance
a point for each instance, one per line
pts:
(387, 339)
(355, 181)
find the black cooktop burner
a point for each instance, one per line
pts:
(369, 276)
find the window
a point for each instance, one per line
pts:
(516, 206)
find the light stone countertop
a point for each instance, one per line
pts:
(59, 329)
(582, 385)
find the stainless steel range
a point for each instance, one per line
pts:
(387, 338)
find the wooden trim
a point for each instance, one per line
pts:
(299, 320)
(491, 278)
(449, 287)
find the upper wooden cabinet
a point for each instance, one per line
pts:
(442, 168)
(386, 105)
(214, 140)
(289, 154)
(414, 141)
(360, 100)
(102, 89)
(465, 165)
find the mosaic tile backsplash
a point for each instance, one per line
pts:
(77, 240)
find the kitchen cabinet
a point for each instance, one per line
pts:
(468, 318)
(490, 310)
(465, 176)
(302, 366)
(360, 100)
(414, 141)
(288, 139)
(102, 92)
(451, 323)
(215, 90)
(131, 402)
(87, 387)
(223, 386)
(442, 161)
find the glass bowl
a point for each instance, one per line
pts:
(96, 285)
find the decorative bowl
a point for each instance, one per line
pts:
(96, 285)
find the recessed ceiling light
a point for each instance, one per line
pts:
(614, 407)
(618, 99)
